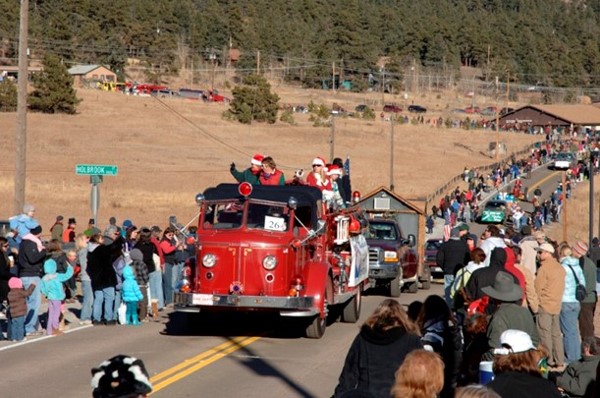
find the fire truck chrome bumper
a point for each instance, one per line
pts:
(300, 304)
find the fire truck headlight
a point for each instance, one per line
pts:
(209, 260)
(269, 262)
(199, 199)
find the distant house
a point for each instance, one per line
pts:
(554, 115)
(83, 74)
(12, 72)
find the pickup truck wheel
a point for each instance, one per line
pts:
(396, 286)
(351, 311)
(316, 329)
(413, 287)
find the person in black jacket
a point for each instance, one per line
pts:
(385, 339)
(486, 276)
(441, 335)
(452, 256)
(103, 276)
(30, 265)
(5, 275)
(344, 184)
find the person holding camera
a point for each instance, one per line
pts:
(171, 246)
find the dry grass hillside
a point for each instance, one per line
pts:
(169, 150)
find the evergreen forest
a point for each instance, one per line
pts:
(544, 42)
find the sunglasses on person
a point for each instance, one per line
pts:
(317, 165)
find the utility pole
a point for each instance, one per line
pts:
(333, 76)
(591, 200)
(332, 139)
(382, 85)
(392, 153)
(21, 139)
(564, 219)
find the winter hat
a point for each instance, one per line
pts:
(136, 254)
(580, 248)
(547, 247)
(59, 218)
(318, 161)
(463, 226)
(127, 224)
(120, 376)
(36, 230)
(454, 233)
(334, 169)
(72, 220)
(257, 159)
(15, 283)
(27, 208)
(513, 342)
(92, 221)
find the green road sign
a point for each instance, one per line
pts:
(96, 169)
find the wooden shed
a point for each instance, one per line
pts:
(91, 73)
(554, 115)
(382, 202)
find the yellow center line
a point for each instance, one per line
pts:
(198, 362)
(543, 180)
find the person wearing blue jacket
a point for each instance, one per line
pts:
(52, 288)
(131, 294)
(570, 306)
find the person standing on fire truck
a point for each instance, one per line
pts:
(252, 173)
(318, 176)
(270, 175)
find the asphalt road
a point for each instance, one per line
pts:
(192, 356)
(242, 356)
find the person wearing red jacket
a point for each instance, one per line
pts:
(318, 177)
(270, 174)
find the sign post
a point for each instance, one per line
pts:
(96, 173)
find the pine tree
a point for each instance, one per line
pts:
(8, 96)
(254, 101)
(54, 92)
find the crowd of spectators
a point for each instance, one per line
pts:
(121, 275)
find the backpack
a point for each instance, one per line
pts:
(580, 291)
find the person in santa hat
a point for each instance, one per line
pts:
(252, 173)
(318, 176)
(334, 197)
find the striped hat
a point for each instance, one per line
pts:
(580, 248)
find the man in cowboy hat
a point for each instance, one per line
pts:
(509, 314)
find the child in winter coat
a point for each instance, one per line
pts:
(17, 305)
(131, 294)
(52, 288)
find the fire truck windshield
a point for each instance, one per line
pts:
(260, 216)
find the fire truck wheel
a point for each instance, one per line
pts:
(396, 286)
(316, 329)
(413, 287)
(351, 311)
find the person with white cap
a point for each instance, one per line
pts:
(518, 368)
(588, 304)
(252, 173)
(549, 286)
(318, 176)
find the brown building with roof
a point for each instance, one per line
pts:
(553, 115)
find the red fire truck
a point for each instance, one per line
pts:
(277, 249)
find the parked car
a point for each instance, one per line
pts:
(494, 212)
(417, 109)
(472, 109)
(362, 108)
(489, 111)
(431, 248)
(392, 108)
(506, 110)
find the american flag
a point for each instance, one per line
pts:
(347, 166)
